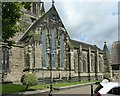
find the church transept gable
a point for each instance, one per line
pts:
(47, 35)
(49, 21)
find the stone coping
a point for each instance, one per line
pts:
(72, 86)
(35, 92)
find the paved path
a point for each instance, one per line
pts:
(78, 90)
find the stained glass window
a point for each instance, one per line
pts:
(44, 50)
(53, 49)
(61, 51)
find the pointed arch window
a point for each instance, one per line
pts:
(34, 7)
(61, 51)
(76, 60)
(53, 49)
(84, 65)
(100, 64)
(5, 65)
(26, 57)
(44, 49)
(92, 63)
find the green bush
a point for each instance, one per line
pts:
(29, 79)
(106, 75)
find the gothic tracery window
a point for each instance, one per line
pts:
(76, 60)
(61, 51)
(100, 64)
(92, 63)
(5, 53)
(84, 65)
(44, 49)
(53, 49)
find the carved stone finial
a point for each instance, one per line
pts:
(53, 2)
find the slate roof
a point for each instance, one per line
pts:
(76, 44)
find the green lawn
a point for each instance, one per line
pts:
(43, 86)
(39, 87)
(11, 88)
(67, 84)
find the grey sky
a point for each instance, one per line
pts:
(92, 22)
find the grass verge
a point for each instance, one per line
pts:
(11, 88)
(16, 88)
(62, 84)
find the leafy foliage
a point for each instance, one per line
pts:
(106, 75)
(31, 34)
(11, 13)
(29, 79)
(10, 16)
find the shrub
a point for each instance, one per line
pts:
(29, 79)
(106, 75)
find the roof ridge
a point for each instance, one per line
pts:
(82, 42)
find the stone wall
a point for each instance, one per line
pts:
(116, 53)
(1, 58)
(16, 64)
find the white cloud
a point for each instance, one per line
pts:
(91, 22)
(81, 0)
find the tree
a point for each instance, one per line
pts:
(11, 14)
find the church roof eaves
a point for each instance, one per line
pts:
(77, 44)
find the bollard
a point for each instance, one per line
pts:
(91, 90)
(50, 94)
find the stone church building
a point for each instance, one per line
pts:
(45, 44)
(116, 60)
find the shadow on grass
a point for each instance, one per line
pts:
(30, 90)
